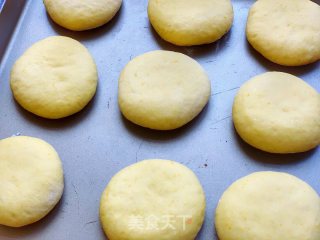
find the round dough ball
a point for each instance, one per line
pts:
(278, 113)
(82, 15)
(190, 22)
(31, 180)
(163, 90)
(269, 205)
(54, 78)
(153, 199)
(286, 32)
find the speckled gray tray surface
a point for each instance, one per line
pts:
(98, 142)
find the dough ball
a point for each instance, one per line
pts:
(163, 90)
(191, 22)
(54, 78)
(79, 15)
(269, 205)
(278, 113)
(286, 32)
(31, 180)
(153, 199)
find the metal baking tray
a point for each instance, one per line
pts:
(98, 142)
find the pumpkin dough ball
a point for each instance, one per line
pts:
(153, 199)
(163, 90)
(286, 32)
(31, 180)
(278, 113)
(269, 205)
(54, 78)
(79, 15)
(190, 22)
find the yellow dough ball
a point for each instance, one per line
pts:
(286, 32)
(31, 180)
(163, 90)
(54, 78)
(153, 199)
(278, 113)
(191, 22)
(82, 15)
(269, 205)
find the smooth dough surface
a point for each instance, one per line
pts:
(286, 32)
(142, 199)
(54, 78)
(278, 113)
(31, 180)
(190, 22)
(82, 15)
(269, 205)
(163, 90)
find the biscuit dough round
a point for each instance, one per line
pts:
(286, 32)
(190, 22)
(153, 199)
(82, 15)
(31, 180)
(269, 205)
(163, 90)
(278, 113)
(54, 78)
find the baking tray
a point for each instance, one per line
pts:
(98, 142)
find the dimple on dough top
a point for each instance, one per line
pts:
(79, 15)
(163, 90)
(190, 22)
(286, 32)
(153, 188)
(269, 205)
(31, 180)
(278, 112)
(56, 77)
